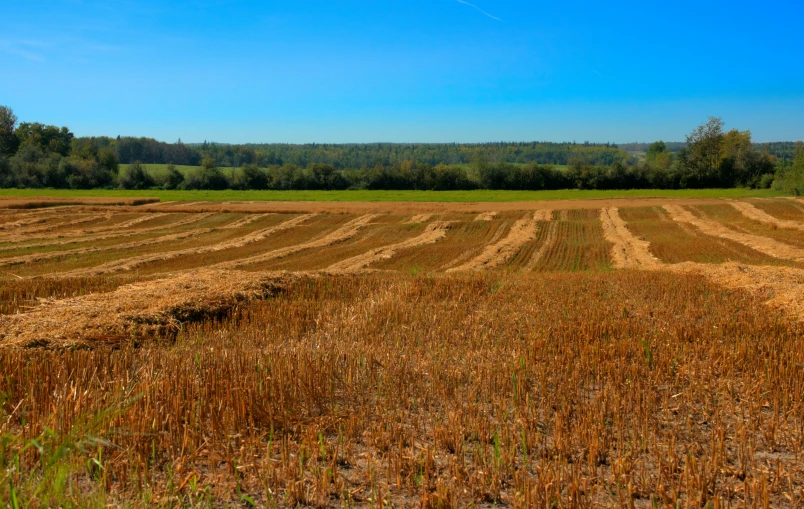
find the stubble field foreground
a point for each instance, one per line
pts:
(589, 353)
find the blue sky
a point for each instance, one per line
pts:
(406, 71)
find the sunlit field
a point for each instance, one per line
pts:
(594, 353)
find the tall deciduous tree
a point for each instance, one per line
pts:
(704, 146)
(8, 140)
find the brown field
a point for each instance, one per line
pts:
(606, 353)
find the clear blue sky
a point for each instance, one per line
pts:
(405, 70)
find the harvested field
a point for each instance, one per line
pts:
(463, 240)
(578, 244)
(523, 231)
(420, 218)
(758, 214)
(628, 251)
(675, 242)
(432, 233)
(744, 219)
(632, 354)
(486, 216)
(762, 244)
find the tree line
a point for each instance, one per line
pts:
(36, 155)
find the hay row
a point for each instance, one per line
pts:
(342, 234)
(433, 233)
(552, 234)
(91, 235)
(137, 261)
(496, 254)
(468, 254)
(762, 244)
(50, 202)
(780, 287)
(38, 257)
(627, 251)
(485, 216)
(136, 311)
(752, 212)
(420, 218)
(51, 226)
(251, 218)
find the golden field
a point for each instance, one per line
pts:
(599, 353)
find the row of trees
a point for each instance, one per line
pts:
(36, 155)
(369, 155)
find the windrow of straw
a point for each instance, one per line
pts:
(38, 257)
(250, 218)
(522, 232)
(434, 232)
(99, 233)
(547, 244)
(135, 311)
(342, 234)
(420, 218)
(486, 216)
(128, 264)
(762, 244)
(627, 251)
(52, 226)
(50, 202)
(752, 212)
(778, 287)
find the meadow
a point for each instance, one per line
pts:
(610, 352)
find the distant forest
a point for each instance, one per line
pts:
(778, 149)
(34, 155)
(364, 155)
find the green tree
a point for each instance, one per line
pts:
(174, 178)
(655, 149)
(791, 178)
(8, 139)
(704, 147)
(136, 177)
